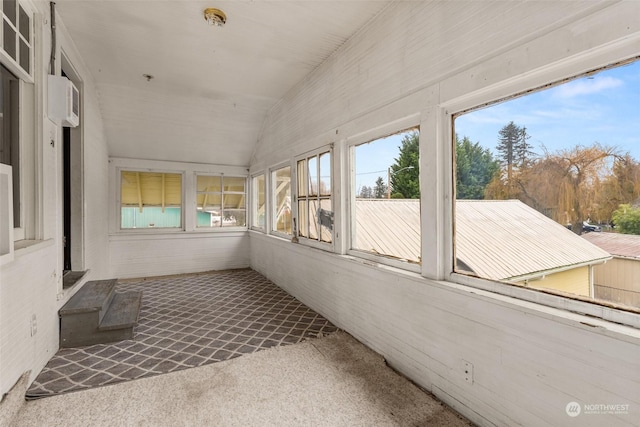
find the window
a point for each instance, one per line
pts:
(16, 32)
(9, 132)
(281, 201)
(258, 202)
(546, 181)
(150, 200)
(315, 212)
(386, 198)
(221, 201)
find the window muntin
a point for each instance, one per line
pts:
(150, 200)
(258, 202)
(386, 220)
(16, 31)
(221, 201)
(552, 178)
(315, 207)
(281, 219)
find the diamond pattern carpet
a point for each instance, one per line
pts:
(187, 321)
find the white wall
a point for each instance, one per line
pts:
(157, 252)
(424, 61)
(31, 285)
(165, 254)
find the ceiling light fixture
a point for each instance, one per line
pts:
(215, 17)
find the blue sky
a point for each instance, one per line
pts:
(602, 108)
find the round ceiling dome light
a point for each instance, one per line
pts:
(215, 17)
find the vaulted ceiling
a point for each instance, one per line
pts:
(211, 86)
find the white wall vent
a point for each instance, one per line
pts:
(6, 214)
(64, 101)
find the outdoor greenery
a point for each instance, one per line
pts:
(405, 172)
(627, 219)
(572, 185)
(475, 167)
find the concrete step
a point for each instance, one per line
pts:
(97, 314)
(123, 311)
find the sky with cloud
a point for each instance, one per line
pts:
(603, 108)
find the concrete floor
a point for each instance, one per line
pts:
(329, 381)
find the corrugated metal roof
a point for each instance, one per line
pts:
(497, 239)
(506, 239)
(388, 227)
(625, 245)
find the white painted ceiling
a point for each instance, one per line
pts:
(212, 87)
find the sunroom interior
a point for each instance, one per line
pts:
(230, 144)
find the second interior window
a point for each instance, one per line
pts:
(221, 201)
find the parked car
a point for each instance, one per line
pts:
(586, 227)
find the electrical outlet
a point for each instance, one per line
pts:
(34, 325)
(468, 371)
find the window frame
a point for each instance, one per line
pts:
(389, 129)
(222, 192)
(443, 117)
(14, 64)
(271, 199)
(253, 200)
(151, 230)
(317, 153)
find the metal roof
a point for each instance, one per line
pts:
(506, 239)
(623, 245)
(496, 239)
(388, 227)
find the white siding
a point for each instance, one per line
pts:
(32, 284)
(152, 255)
(421, 59)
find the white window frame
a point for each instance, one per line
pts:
(253, 201)
(316, 243)
(29, 153)
(388, 129)
(7, 60)
(222, 192)
(271, 198)
(152, 230)
(442, 118)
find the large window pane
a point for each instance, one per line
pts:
(387, 218)
(281, 196)
(547, 181)
(150, 200)
(221, 201)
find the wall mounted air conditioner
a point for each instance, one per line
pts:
(64, 101)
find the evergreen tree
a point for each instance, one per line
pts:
(380, 189)
(405, 172)
(475, 167)
(514, 154)
(366, 192)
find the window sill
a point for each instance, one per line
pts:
(25, 247)
(196, 234)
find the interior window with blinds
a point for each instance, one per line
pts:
(150, 200)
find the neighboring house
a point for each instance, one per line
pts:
(619, 279)
(503, 240)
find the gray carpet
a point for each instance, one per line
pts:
(331, 381)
